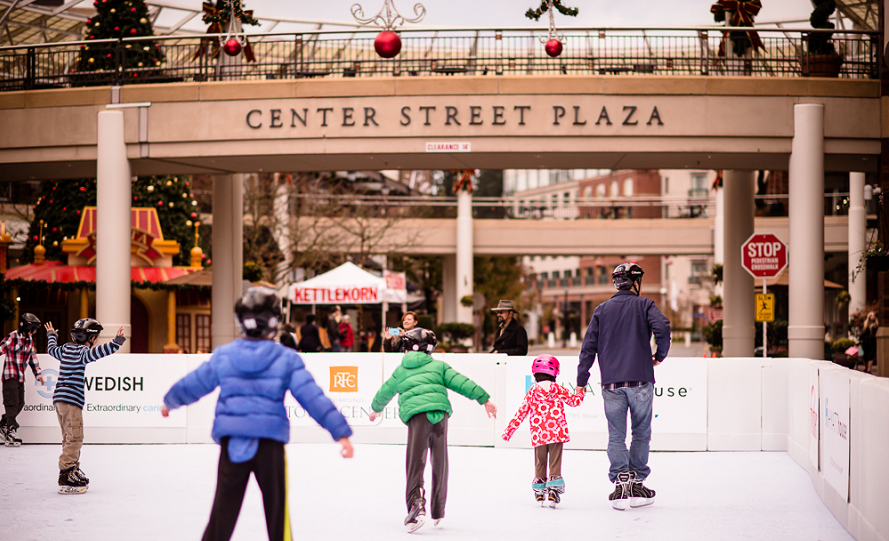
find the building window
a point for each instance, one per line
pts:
(615, 189)
(202, 333)
(183, 332)
(628, 187)
(603, 275)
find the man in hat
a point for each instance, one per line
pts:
(511, 337)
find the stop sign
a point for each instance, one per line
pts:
(764, 255)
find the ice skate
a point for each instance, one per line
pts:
(69, 483)
(417, 515)
(3, 434)
(640, 495)
(621, 495)
(539, 488)
(78, 473)
(553, 498)
(555, 487)
(12, 439)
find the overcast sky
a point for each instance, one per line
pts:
(488, 13)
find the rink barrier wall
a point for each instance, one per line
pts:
(834, 422)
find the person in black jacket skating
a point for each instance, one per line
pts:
(620, 334)
(511, 337)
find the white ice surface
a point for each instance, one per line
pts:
(164, 492)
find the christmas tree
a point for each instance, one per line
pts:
(117, 19)
(60, 205)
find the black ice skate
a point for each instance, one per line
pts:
(69, 483)
(82, 476)
(553, 497)
(621, 495)
(640, 495)
(539, 488)
(417, 515)
(12, 439)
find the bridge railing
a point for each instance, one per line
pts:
(443, 52)
(541, 207)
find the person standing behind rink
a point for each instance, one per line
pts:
(18, 348)
(620, 334)
(251, 426)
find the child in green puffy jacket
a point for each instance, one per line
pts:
(422, 384)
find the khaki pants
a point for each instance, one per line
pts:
(552, 452)
(71, 420)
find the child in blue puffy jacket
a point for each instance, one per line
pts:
(253, 375)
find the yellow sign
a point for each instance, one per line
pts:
(765, 307)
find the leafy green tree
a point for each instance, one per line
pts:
(117, 19)
(60, 205)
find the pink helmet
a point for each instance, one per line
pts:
(545, 364)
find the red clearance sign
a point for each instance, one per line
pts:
(764, 255)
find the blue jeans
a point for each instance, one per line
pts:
(638, 401)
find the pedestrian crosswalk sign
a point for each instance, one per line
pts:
(765, 307)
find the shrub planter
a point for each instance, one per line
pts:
(820, 65)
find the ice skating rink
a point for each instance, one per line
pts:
(164, 492)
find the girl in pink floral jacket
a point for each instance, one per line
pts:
(545, 403)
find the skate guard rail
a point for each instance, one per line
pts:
(443, 52)
(830, 419)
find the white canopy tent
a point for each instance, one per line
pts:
(350, 284)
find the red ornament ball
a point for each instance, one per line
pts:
(387, 44)
(133, 10)
(133, 31)
(554, 47)
(54, 229)
(78, 212)
(194, 214)
(160, 203)
(82, 189)
(116, 28)
(35, 238)
(232, 47)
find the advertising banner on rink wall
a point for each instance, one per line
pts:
(814, 409)
(680, 399)
(121, 391)
(835, 387)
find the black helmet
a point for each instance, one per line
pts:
(28, 322)
(419, 339)
(258, 311)
(625, 275)
(84, 329)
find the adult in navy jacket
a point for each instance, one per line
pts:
(620, 334)
(253, 375)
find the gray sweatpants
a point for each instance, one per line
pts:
(423, 436)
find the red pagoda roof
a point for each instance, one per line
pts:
(58, 271)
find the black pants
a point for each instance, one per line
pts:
(270, 468)
(13, 401)
(422, 436)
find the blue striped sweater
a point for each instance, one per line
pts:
(73, 359)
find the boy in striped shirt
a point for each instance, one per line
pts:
(68, 398)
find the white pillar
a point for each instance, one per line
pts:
(719, 236)
(805, 332)
(464, 254)
(228, 263)
(738, 332)
(857, 237)
(113, 224)
(449, 289)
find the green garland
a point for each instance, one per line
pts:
(223, 12)
(544, 5)
(33, 285)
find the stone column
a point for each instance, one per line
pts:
(113, 226)
(857, 237)
(805, 332)
(464, 254)
(719, 236)
(449, 289)
(738, 331)
(171, 346)
(228, 265)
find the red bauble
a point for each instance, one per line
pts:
(133, 31)
(232, 47)
(387, 44)
(554, 47)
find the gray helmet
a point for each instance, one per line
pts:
(625, 275)
(419, 339)
(28, 322)
(84, 329)
(258, 311)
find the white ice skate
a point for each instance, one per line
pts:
(12, 439)
(72, 490)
